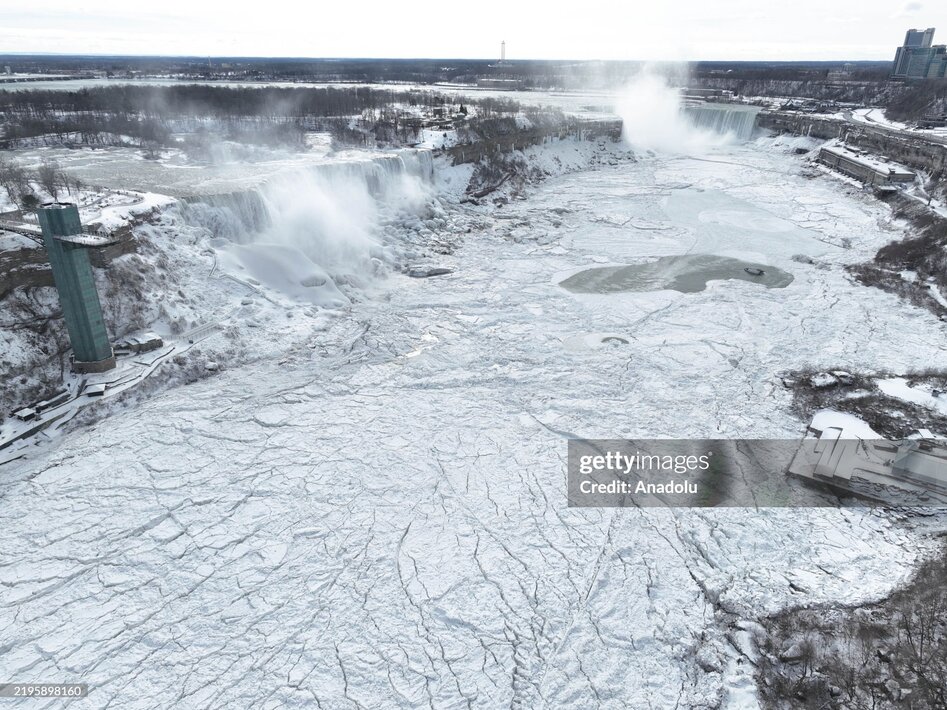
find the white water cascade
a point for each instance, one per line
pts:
(734, 120)
(325, 223)
(656, 118)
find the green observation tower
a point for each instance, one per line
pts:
(67, 247)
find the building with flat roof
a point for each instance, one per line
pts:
(908, 471)
(862, 166)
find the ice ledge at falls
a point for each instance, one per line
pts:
(727, 119)
(306, 230)
(393, 176)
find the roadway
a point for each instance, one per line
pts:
(873, 126)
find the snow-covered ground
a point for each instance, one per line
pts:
(373, 513)
(899, 387)
(876, 116)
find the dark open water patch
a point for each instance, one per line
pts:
(687, 273)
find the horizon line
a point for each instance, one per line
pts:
(432, 59)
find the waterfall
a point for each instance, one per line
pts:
(230, 215)
(389, 178)
(654, 117)
(735, 120)
(330, 214)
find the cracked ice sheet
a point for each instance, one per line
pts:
(364, 527)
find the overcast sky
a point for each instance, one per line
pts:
(591, 29)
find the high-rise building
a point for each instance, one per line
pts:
(919, 58)
(937, 69)
(919, 38)
(67, 248)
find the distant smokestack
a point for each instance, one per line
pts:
(503, 51)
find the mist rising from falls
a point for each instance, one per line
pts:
(655, 117)
(330, 214)
(651, 115)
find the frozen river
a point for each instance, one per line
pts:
(379, 519)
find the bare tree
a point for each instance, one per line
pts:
(50, 177)
(74, 185)
(15, 181)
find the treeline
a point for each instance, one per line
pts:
(497, 126)
(892, 654)
(128, 101)
(793, 71)
(918, 99)
(255, 68)
(89, 128)
(923, 253)
(869, 93)
(272, 116)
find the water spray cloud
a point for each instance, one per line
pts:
(331, 217)
(653, 118)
